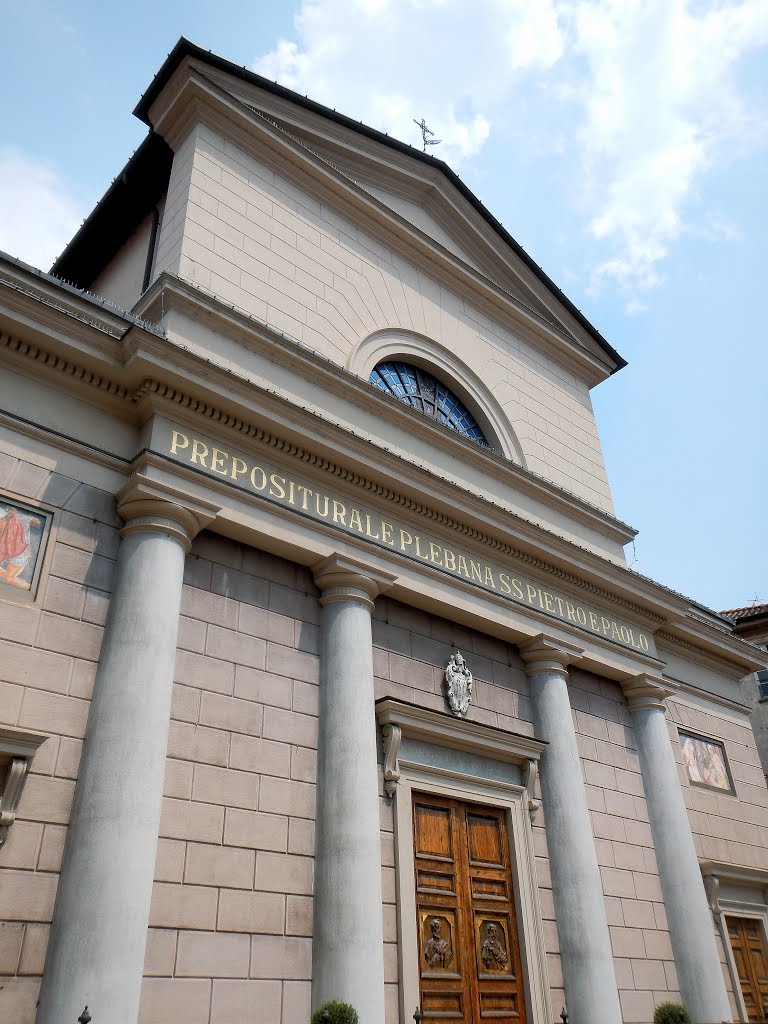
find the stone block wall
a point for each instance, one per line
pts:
(411, 650)
(231, 915)
(48, 655)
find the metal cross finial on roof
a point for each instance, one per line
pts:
(422, 126)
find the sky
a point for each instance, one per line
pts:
(623, 143)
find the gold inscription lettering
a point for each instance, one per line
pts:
(531, 593)
(276, 486)
(504, 581)
(571, 611)
(238, 467)
(489, 580)
(339, 512)
(318, 498)
(368, 530)
(306, 494)
(178, 440)
(419, 552)
(291, 492)
(263, 484)
(403, 542)
(549, 602)
(450, 559)
(199, 452)
(517, 587)
(463, 570)
(434, 553)
(355, 522)
(386, 533)
(217, 459)
(476, 573)
(594, 624)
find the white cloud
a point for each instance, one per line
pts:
(38, 215)
(389, 62)
(647, 86)
(660, 108)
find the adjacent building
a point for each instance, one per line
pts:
(323, 675)
(751, 623)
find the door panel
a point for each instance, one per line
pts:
(469, 950)
(749, 954)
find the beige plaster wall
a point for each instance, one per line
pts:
(239, 230)
(122, 279)
(231, 915)
(48, 655)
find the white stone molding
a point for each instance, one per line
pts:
(17, 750)
(449, 370)
(399, 719)
(147, 506)
(548, 654)
(346, 579)
(739, 892)
(530, 774)
(392, 734)
(647, 691)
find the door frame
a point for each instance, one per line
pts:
(736, 892)
(516, 799)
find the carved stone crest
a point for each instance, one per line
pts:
(458, 685)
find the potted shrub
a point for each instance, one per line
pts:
(338, 1013)
(671, 1013)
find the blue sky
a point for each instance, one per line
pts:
(622, 142)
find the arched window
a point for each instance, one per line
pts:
(422, 391)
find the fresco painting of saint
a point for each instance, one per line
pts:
(20, 536)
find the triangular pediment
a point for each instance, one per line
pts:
(420, 199)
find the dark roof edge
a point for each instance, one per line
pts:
(185, 48)
(117, 214)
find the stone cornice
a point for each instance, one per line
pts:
(341, 578)
(710, 645)
(172, 292)
(367, 467)
(396, 171)
(191, 98)
(457, 733)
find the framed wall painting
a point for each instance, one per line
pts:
(706, 762)
(24, 532)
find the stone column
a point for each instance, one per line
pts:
(347, 946)
(577, 888)
(691, 929)
(99, 931)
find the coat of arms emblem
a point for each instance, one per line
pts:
(458, 685)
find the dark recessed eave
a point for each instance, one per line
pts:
(185, 48)
(127, 201)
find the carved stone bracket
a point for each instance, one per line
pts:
(17, 749)
(530, 774)
(392, 736)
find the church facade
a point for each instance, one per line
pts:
(323, 675)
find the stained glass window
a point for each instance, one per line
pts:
(422, 391)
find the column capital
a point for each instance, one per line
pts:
(148, 506)
(544, 653)
(646, 691)
(345, 579)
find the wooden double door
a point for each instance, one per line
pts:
(469, 951)
(746, 936)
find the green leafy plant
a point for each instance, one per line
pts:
(340, 1013)
(671, 1013)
